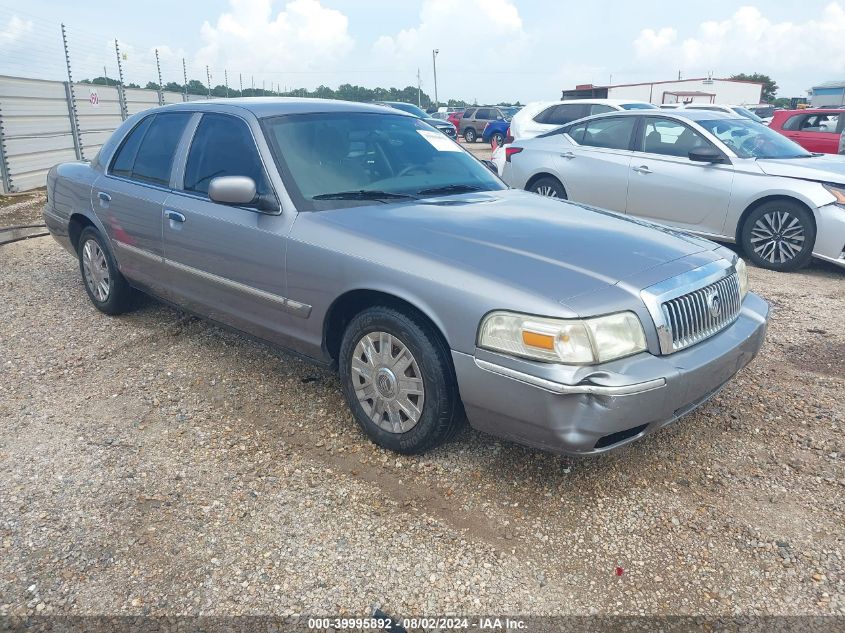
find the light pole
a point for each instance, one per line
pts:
(434, 65)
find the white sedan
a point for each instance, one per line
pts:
(718, 175)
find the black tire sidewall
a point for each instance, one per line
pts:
(551, 182)
(440, 403)
(795, 209)
(117, 301)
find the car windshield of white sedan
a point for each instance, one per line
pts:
(346, 159)
(753, 140)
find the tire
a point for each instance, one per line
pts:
(409, 423)
(107, 289)
(470, 135)
(499, 139)
(779, 235)
(549, 187)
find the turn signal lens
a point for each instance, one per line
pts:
(534, 339)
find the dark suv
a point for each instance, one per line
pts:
(476, 118)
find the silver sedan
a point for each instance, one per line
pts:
(718, 175)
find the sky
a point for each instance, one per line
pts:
(489, 50)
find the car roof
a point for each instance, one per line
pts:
(680, 113)
(276, 106)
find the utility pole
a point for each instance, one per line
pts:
(208, 76)
(679, 75)
(185, 77)
(226, 81)
(160, 86)
(241, 82)
(121, 93)
(419, 89)
(434, 66)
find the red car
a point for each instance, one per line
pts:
(455, 119)
(814, 129)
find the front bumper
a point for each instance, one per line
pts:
(830, 234)
(594, 409)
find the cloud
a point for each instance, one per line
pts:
(14, 30)
(473, 36)
(748, 41)
(249, 37)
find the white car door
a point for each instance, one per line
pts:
(668, 187)
(594, 168)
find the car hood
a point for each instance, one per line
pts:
(438, 123)
(553, 248)
(826, 168)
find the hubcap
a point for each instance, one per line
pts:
(96, 270)
(388, 382)
(547, 190)
(777, 236)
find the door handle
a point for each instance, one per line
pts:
(104, 198)
(174, 216)
(567, 155)
(642, 169)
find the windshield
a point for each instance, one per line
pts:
(748, 114)
(410, 108)
(749, 139)
(351, 158)
(639, 106)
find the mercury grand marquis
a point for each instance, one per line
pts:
(366, 240)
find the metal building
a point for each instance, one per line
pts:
(700, 90)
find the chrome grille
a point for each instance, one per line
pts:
(700, 314)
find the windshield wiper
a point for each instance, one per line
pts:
(449, 189)
(362, 194)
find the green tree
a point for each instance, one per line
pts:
(151, 86)
(770, 87)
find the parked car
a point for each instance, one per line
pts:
(841, 143)
(496, 131)
(544, 116)
(444, 126)
(765, 111)
(816, 130)
(474, 120)
(729, 109)
(711, 173)
(455, 118)
(360, 237)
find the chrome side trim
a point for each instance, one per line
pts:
(302, 310)
(560, 388)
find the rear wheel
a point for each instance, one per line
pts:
(470, 135)
(499, 139)
(779, 235)
(549, 187)
(107, 289)
(398, 380)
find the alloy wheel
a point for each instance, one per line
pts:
(547, 190)
(96, 270)
(777, 236)
(388, 382)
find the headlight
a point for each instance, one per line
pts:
(742, 276)
(838, 192)
(569, 341)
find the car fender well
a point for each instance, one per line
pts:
(351, 302)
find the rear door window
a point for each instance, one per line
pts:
(609, 133)
(563, 114)
(155, 155)
(125, 157)
(223, 146)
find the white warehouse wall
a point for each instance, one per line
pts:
(732, 92)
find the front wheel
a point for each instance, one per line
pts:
(397, 377)
(470, 135)
(107, 289)
(779, 235)
(549, 187)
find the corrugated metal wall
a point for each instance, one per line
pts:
(37, 129)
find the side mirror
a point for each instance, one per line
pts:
(489, 164)
(239, 190)
(707, 155)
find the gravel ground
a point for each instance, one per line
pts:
(155, 464)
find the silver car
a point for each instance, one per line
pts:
(718, 175)
(364, 239)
